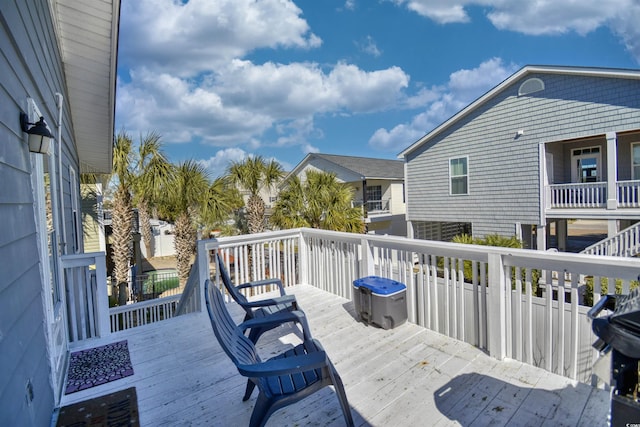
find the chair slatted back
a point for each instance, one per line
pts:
(226, 280)
(238, 347)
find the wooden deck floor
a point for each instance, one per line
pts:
(402, 377)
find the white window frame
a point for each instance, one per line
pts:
(633, 170)
(576, 174)
(451, 193)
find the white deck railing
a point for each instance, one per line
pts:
(85, 282)
(592, 195)
(485, 296)
(142, 313)
(514, 303)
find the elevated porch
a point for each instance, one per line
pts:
(592, 177)
(475, 313)
(399, 377)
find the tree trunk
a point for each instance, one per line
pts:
(145, 226)
(185, 242)
(122, 218)
(255, 214)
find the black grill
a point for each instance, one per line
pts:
(619, 334)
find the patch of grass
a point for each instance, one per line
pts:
(160, 281)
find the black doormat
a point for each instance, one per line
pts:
(111, 410)
(98, 365)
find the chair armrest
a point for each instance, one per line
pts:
(256, 283)
(287, 299)
(284, 366)
(278, 319)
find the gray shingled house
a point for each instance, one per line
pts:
(545, 146)
(378, 185)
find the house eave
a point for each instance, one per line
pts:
(88, 37)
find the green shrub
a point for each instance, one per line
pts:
(604, 288)
(492, 240)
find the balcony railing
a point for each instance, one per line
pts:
(374, 206)
(583, 195)
(592, 195)
(522, 304)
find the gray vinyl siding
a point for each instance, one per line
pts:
(30, 60)
(504, 173)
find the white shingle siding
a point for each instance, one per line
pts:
(504, 170)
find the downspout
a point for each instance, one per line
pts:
(63, 237)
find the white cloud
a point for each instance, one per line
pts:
(217, 165)
(538, 17)
(441, 11)
(181, 111)
(239, 102)
(369, 47)
(395, 139)
(194, 36)
(463, 87)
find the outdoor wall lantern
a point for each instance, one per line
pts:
(39, 135)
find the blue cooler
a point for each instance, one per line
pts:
(380, 301)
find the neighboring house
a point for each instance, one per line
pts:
(378, 187)
(93, 229)
(546, 145)
(269, 195)
(58, 61)
(163, 242)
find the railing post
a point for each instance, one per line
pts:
(367, 266)
(203, 271)
(303, 253)
(496, 309)
(102, 299)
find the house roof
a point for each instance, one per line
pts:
(529, 69)
(88, 35)
(366, 167)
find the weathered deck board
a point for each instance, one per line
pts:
(400, 377)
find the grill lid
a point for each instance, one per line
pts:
(621, 329)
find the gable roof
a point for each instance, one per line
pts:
(529, 69)
(366, 167)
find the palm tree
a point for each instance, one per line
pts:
(153, 172)
(318, 202)
(252, 175)
(194, 201)
(122, 215)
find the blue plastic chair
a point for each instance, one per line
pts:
(284, 379)
(258, 308)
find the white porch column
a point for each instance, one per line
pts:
(612, 170)
(612, 227)
(541, 237)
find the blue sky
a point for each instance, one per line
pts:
(224, 79)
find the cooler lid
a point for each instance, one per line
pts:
(379, 285)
